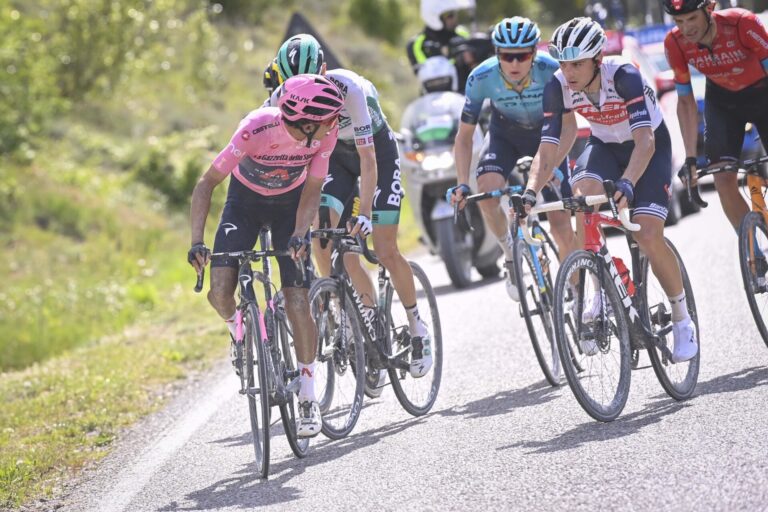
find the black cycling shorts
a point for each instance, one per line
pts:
(344, 169)
(607, 161)
(505, 144)
(245, 213)
(725, 115)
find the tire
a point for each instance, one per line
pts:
(610, 338)
(340, 351)
(455, 248)
(416, 395)
(489, 271)
(536, 306)
(677, 379)
(258, 389)
(753, 232)
(299, 445)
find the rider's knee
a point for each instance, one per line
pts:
(388, 255)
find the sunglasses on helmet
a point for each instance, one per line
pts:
(567, 53)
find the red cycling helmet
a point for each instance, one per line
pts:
(311, 98)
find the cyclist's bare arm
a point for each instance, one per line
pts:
(567, 138)
(309, 202)
(201, 201)
(542, 166)
(368, 178)
(687, 115)
(463, 151)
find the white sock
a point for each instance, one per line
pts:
(307, 382)
(415, 322)
(231, 324)
(506, 245)
(679, 308)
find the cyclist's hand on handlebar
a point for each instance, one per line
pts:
(625, 193)
(529, 201)
(689, 170)
(361, 225)
(455, 195)
(297, 245)
(198, 256)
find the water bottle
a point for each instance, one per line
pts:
(624, 273)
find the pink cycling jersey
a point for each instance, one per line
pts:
(264, 157)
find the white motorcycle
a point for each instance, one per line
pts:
(427, 134)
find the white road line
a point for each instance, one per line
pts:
(133, 478)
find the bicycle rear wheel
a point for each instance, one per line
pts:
(535, 290)
(677, 379)
(594, 348)
(341, 353)
(416, 395)
(299, 445)
(257, 388)
(753, 244)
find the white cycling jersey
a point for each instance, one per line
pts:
(626, 103)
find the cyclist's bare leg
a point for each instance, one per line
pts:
(222, 292)
(495, 218)
(663, 262)
(734, 205)
(562, 231)
(304, 331)
(385, 245)
(361, 280)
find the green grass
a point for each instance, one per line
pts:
(63, 414)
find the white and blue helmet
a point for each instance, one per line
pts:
(580, 38)
(515, 32)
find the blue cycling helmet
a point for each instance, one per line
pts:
(515, 32)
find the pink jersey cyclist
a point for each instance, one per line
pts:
(264, 157)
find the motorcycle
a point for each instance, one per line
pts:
(427, 133)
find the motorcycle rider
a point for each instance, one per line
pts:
(440, 36)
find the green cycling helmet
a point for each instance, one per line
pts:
(299, 55)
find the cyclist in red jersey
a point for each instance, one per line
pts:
(278, 159)
(730, 47)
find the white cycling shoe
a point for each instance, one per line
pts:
(595, 310)
(510, 282)
(421, 356)
(686, 347)
(309, 421)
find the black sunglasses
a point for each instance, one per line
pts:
(512, 57)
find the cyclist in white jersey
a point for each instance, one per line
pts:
(629, 144)
(367, 149)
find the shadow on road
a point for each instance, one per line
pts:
(275, 431)
(504, 402)
(245, 490)
(742, 380)
(594, 431)
(447, 289)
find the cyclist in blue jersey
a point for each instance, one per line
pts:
(514, 81)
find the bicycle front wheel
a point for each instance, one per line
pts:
(534, 285)
(299, 445)
(677, 379)
(340, 353)
(416, 395)
(258, 387)
(753, 242)
(592, 334)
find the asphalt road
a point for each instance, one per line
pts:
(498, 437)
